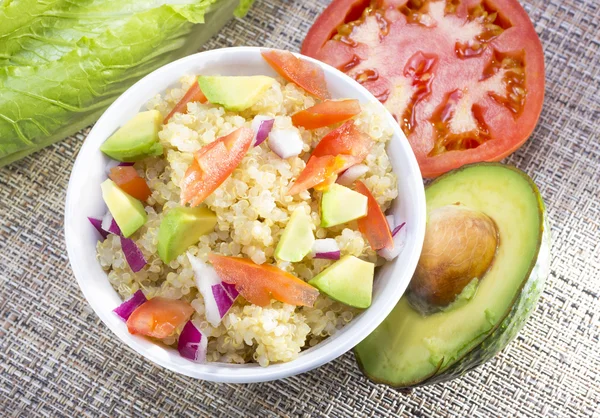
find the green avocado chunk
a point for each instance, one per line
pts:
(297, 238)
(182, 227)
(234, 93)
(127, 211)
(340, 204)
(410, 348)
(348, 280)
(135, 140)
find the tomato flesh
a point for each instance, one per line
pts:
(305, 74)
(374, 226)
(326, 113)
(337, 151)
(128, 180)
(159, 317)
(259, 283)
(194, 94)
(463, 78)
(212, 164)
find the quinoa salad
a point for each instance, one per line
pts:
(250, 269)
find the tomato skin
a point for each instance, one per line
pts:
(212, 164)
(326, 113)
(347, 140)
(305, 74)
(505, 131)
(128, 180)
(374, 226)
(259, 283)
(194, 94)
(159, 317)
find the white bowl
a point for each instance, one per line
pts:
(84, 199)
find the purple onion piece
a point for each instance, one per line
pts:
(97, 223)
(231, 290)
(332, 255)
(125, 164)
(114, 228)
(397, 229)
(222, 299)
(125, 309)
(263, 131)
(192, 344)
(133, 255)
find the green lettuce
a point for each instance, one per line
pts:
(63, 62)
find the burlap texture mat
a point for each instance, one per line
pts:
(58, 359)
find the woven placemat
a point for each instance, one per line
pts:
(58, 359)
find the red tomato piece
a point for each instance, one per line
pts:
(465, 80)
(374, 226)
(194, 94)
(321, 171)
(340, 149)
(326, 113)
(212, 165)
(128, 179)
(159, 317)
(305, 74)
(259, 283)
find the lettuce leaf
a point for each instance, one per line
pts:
(62, 62)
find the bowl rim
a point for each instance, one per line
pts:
(249, 373)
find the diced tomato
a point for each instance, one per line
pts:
(374, 226)
(305, 74)
(194, 94)
(320, 170)
(159, 317)
(128, 179)
(258, 284)
(326, 113)
(338, 150)
(212, 165)
(347, 140)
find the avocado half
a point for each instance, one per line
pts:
(412, 347)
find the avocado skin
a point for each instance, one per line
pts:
(515, 318)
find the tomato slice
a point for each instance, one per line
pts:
(374, 226)
(321, 171)
(464, 79)
(346, 139)
(259, 283)
(159, 317)
(305, 74)
(128, 179)
(326, 113)
(194, 94)
(212, 164)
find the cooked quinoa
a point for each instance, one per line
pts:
(252, 210)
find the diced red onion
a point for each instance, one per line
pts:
(349, 176)
(261, 125)
(391, 221)
(285, 143)
(107, 220)
(326, 248)
(97, 223)
(217, 298)
(133, 254)
(192, 344)
(114, 228)
(230, 289)
(125, 164)
(399, 239)
(125, 309)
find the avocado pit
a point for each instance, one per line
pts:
(460, 245)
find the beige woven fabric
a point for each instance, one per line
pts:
(58, 359)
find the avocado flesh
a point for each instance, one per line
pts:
(348, 280)
(234, 93)
(339, 205)
(182, 227)
(128, 212)
(409, 348)
(297, 238)
(137, 139)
